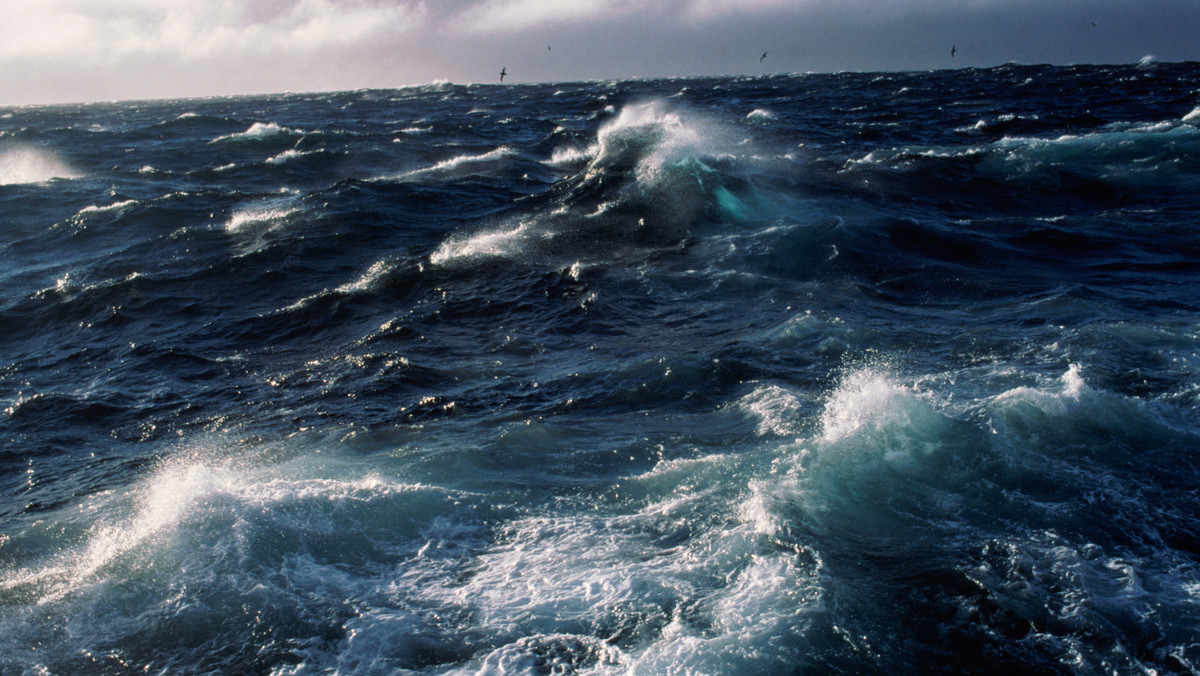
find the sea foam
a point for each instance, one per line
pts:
(257, 131)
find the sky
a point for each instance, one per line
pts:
(70, 51)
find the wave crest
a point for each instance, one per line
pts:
(653, 174)
(257, 131)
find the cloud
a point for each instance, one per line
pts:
(76, 50)
(702, 11)
(117, 30)
(499, 16)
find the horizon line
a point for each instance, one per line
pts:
(1145, 60)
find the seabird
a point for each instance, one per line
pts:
(953, 48)
(762, 57)
(503, 72)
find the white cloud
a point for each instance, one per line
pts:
(715, 10)
(501, 16)
(506, 16)
(119, 29)
(40, 30)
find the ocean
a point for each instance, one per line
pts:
(856, 373)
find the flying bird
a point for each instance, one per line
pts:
(762, 57)
(503, 72)
(953, 49)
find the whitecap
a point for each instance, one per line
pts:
(779, 411)
(256, 217)
(760, 116)
(657, 153)
(571, 155)
(369, 279)
(366, 282)
(485, 244)
(137, 531)
(94, 209)
(647, 136)
(161, 506)
(865, 399)
(1054, 401)
(257, 131)
(26, 164)
(460, 161)
(285, 156)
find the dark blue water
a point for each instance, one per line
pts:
(854, 373)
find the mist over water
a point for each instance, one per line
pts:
(855, 373)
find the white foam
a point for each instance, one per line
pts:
(116, 206)
(26, 164)
(223, 503)
(872, 417)
(746, 625)
(1054, 401)
(256, 217)
(369, 279)
(551, 653)
(454, 163)
(760, 116)
(635, 147)
(756, 509)
(654, 134)
(549, 575)
(486, 244)
(258, 130)
(165, 500)
(571, 155)
(865, 398)
(779, 411)
(285, 156)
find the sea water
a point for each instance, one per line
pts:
(848, 373)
